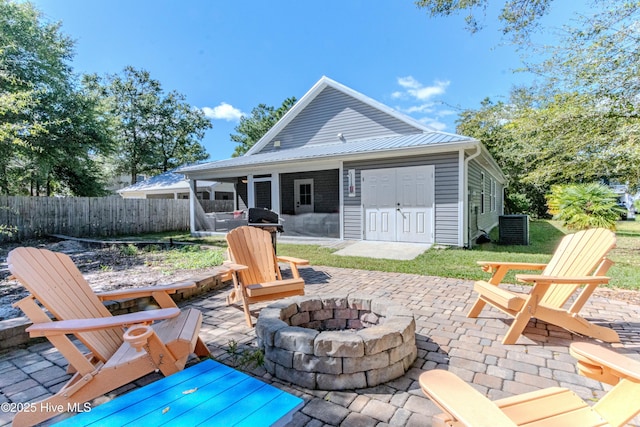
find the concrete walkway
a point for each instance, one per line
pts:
(384, 250)
(445, 337)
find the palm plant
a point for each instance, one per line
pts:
(582, 206)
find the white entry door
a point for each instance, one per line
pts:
(398, 204)
(303, 195)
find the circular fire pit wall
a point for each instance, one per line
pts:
(337, 342)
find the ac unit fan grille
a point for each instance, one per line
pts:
(513, 230)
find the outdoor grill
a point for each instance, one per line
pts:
(267, 220)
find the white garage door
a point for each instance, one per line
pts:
(398, 204)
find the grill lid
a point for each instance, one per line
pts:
(262, 216)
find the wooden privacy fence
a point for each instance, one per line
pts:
(29, 217)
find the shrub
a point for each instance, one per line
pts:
(129, 250)
(582, 206)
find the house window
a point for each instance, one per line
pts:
(305, 194)
(493, 195)
(482, 183)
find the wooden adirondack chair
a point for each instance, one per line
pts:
(121, 348)
(261, 280)
(463, 405)
(579, 261)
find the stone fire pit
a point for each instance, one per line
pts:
(337, 342)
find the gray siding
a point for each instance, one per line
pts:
(241, 191)
(326, 194)
(333, 112)
(446, 193)
(483, 219)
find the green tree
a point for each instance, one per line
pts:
(518, 17)
(495, 125)
(579, 121)
(582, 206)
(155, 132)
(541, 143)
(49, 131)
(179, 130)
(133, 98)
(252, 128)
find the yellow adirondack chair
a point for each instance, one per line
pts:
(121, 348)
(579, 261)
(463, 405)
(260, 279)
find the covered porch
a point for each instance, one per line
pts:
(307, 202)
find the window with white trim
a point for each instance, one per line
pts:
(482, 183)
(493, 195)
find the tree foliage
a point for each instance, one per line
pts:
(579, 123)
(60, 134)
(154, 131)
(48, 134)
(252, 128)
(518, 17)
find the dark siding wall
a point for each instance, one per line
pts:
(263, 194)
(326, 191)
(241, 191)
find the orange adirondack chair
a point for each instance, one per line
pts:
(260, 279)
(463, 405)
(116, 356)
(579, 261)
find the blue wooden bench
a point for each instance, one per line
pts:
(208, 394)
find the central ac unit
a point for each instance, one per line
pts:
(513, 229)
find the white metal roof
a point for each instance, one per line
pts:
(338, 149)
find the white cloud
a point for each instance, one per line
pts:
(409, 82)
(418, 100)
(433, 123)
(417, 90)
(423, 108)
(223, 111)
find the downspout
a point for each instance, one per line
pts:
(466, 193)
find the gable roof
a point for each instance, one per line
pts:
(312, 94)
(424, 140)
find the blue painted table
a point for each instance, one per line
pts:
(206, 394)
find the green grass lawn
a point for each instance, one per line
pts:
(544, 236)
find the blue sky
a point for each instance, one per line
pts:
(227, 57)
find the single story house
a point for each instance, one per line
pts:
(339, 164)
(172, 185)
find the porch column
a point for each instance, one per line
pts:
(251, 196)
(192, 205)
(275, 192)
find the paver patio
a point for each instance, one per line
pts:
(445, 337)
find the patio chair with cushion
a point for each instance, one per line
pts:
(121, 348)
(463, 405)
(261, 280)
(578, 262)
